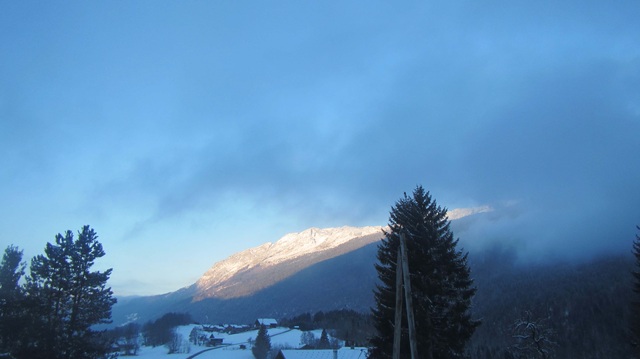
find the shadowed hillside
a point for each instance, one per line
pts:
(344, 281)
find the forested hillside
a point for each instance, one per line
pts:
(584, 307)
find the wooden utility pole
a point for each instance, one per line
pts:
(397, 334)
(403, 277)
(413, 342)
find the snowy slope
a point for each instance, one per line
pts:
(288, 248)
(280, 338)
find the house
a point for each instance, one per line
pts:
(213, 341)
(342, 353)
(267, 322)
(235, 328)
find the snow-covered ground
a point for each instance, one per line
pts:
(280, 337)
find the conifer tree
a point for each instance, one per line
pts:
(11, 299)
(440, 282)
(635, 304)
(324, 343)
(67, 298)
(263, 343)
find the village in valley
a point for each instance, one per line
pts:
(234, 341)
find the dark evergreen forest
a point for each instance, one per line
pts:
(584, 308)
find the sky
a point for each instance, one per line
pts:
(184, 132)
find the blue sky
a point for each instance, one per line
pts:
(183, 132)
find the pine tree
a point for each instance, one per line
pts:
(263, 343)
(67, 298)
(324, 343)
(11, 299)
(440, 282)
(635, 305)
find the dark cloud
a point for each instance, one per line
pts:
(544, 116)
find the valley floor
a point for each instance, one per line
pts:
(280, 338)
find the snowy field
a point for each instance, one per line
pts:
(280, 338)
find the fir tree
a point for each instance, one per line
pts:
(324, 340)
(263, 343)
(635, 304)
(440, 281)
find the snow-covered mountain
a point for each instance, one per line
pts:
(316, 269)
(256, 268)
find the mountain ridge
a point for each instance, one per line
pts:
(330, 268)
(255, 268)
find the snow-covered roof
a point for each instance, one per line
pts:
(267, 321)
(343, 353)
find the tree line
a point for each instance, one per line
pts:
(49, 312)
(352, 327)
(162, 330)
